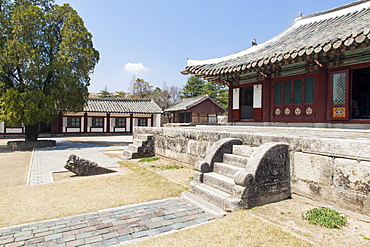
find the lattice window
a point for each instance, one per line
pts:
(120, 122)
(309, 86)
(287, 92)
(97, 122)
(298, 91)
(142, 122)
(277, 93)
(73, 121)
(339, 89)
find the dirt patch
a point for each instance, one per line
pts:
(14, 165)
(65, 176)
(288, 215)
(177, 171)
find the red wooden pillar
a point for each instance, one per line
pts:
(85, 123)
(131, 123)
(322, 113)
(266, 100)
(108, 122)
(230, 104)
(152, 120)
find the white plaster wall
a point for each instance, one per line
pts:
(89, 124)
(2, 127)
(128, 124)
(157, 120)
(112, 124)
(64, 124)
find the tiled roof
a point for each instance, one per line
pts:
(187, 103)
(333, 29)
(139, 106)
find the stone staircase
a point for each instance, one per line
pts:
(141, 147)
(241, 176)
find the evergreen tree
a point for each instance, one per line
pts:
(46, 56)
(104, 93)
(194, 87)
(217, 92)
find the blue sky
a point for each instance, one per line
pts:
(153, 38)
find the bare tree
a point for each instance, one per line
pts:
(175, 93)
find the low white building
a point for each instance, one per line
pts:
(101, 115)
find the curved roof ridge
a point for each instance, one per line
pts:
(121, 99)
(300, 21)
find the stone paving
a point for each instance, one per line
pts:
(108, 227)
(45, 161)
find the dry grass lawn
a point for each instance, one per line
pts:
(237, 229)
(13, 165)
(23, 204)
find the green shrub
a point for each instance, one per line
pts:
(325, 217)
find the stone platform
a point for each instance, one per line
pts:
(329, 165)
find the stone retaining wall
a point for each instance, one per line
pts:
(335, 171)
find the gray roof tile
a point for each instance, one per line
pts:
(187, 103)
(139, 106)
(313, 30)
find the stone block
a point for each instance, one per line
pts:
(314, 168)
(181, 144)
(19, 145)
(352, 175)
(341, 198)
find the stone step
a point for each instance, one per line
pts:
(135, 148)
(226, 169)
(243, 150)
(219, 181)
(210, 194)
(235, 160)
(138, 142)
(203, 204)
(221, 199)
(144, 137)
(130, 154)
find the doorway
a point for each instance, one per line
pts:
(246, 97)
(360, 106)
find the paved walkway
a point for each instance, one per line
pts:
(45, 161)
(107, 227)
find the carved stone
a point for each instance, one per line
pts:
(82, 167)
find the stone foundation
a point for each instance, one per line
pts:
(332, 170)
(19, 145)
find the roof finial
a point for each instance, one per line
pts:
(299, 15)
(254, 42)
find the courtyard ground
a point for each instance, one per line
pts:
(276, 224)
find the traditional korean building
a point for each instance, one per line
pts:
(197, 110)
(315, 73)
(101, 116)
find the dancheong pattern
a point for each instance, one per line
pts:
(277, 111)
(309, 111)
(287, 111)
(297, 111)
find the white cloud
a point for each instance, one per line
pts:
(135, 67)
